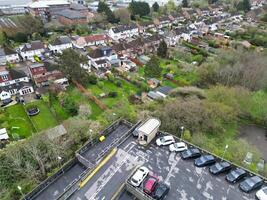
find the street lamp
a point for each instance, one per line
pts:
(225, 149)
(60, 159)
(182, 131)
(20, 190)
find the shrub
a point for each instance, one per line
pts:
(112, 94)
(118, 84)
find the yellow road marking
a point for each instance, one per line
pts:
(101, 164)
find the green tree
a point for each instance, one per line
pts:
(162, 49)
(246, 5)
(104, 8)
(70, 64)
(123, 15)
(139, 8)
(155, 7)
(152, 68)
(185, 3)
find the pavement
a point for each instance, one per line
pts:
(186, 181)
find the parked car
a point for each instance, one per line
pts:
(139, 176)
(161, 191)
(236, 175)
(190, 153)
(178, 147)
(150, 184)
(205, 160)
(262, 194)
(251, 183)
(220, 167)
(165, 140)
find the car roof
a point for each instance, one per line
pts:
(255, 178)
(210, 157)
(194, 150)
(239, 170)
(150, 181)
(180, 144)
(224, 164)
(167, 137)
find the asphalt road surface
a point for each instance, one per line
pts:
(186, 181)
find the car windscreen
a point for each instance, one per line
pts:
(134, 180)
(218, 166)
(265, 190)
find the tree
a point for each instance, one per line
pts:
(246, 5)
(20, 37)
(162, 49)
(104, 8)
(123, 15)
(152, 68)
(155, 7)
(69, 63)
(139, 8)
(185, 3)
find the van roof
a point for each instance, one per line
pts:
(149, 126)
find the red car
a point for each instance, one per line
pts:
(150, 184)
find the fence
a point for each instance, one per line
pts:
(42, 186)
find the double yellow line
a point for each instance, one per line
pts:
(101, 164)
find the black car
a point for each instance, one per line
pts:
(161, 191)
(205, 160)
(236, 175)
(220, 167)
(190, 153)
(251, 183)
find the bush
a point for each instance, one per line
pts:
(70, 106)
(118, 84)
(112, 94)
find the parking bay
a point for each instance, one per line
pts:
(185, 180)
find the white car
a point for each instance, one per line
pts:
(178, 147)
(139, 176)
(262, 194)
(165, 140)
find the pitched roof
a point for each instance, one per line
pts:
(71, 14)
(16, 74)
(122, 28)
(61, 40)
(34, 45)
(75, 6)
(93, 38)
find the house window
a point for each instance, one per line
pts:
(5, 77)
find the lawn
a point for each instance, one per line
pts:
(45, 119)
(122, 92)
(79, 98)
(19, 125)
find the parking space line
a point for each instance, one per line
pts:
(101, 164)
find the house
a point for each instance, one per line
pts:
(61, 43)
(164, 22)
(8, 55)
(13, 82)
(44, 73)
(123, 31)
(29, 50)
(90, 40)
(102, 57)
(182, 34)
(71, 17)
(47, 8)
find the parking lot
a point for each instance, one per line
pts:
(185, 180)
